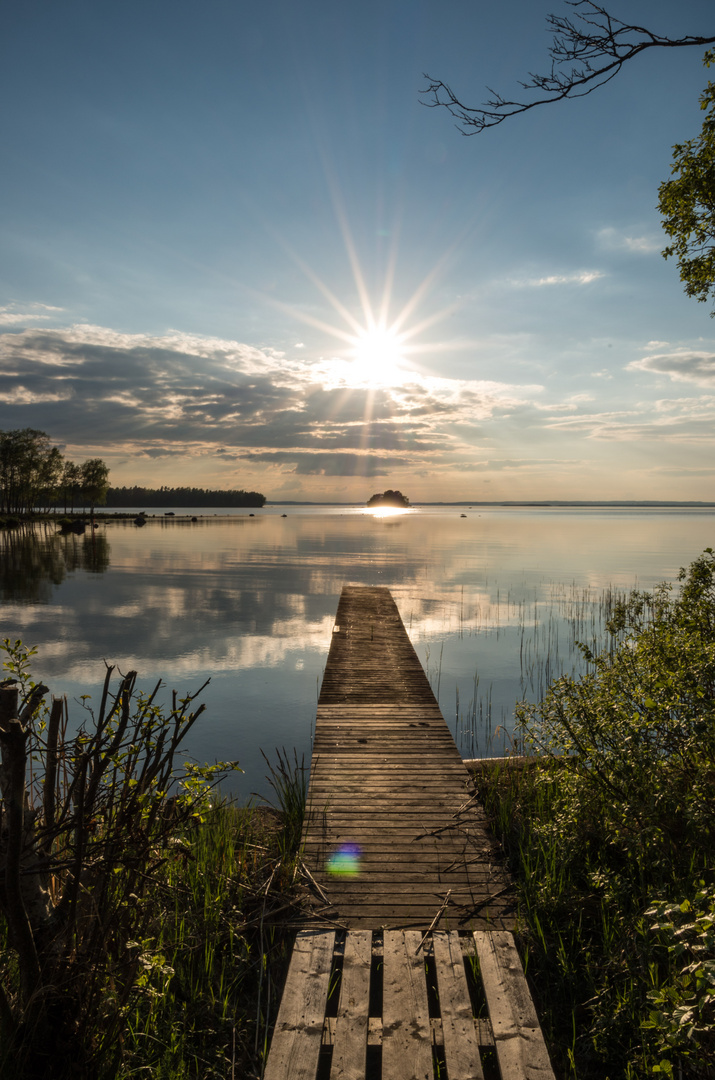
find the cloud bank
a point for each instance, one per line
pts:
(183, 395)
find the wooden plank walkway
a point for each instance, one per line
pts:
(391, 834)
(393, 847)
(403, 1006)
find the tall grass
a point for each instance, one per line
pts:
(217, 947)
(290, 785)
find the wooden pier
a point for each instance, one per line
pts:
(408, 970)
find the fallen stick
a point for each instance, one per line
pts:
(434, 922)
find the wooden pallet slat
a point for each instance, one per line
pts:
(297, 1036)
(351, 1025)
(461, 1048)
(520, 1046)
(406, 1043)
(404, 1029)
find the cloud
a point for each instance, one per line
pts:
(307, 464)
(16, 315)
(581, 277)
(139, 396)
(567, 405)
(614, 240)
(680, 366)
(684, 420)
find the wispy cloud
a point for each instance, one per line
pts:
(579, 277)
(684, 420)
(611, 239)
(682, 365)
(21, 314)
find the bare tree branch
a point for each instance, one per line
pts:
(586, 52)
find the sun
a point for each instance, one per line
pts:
(378, 357)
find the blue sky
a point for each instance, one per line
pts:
(206, 207)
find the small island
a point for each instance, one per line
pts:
(388, 498)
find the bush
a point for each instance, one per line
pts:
(619, 815)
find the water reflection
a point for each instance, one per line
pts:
(493, 604)
(34, 560)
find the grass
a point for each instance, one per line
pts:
(217, 947)
(221, 939)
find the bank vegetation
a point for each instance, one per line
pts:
(610, 831)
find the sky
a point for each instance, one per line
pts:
(238, 251)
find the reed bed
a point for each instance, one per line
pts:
(537, 638)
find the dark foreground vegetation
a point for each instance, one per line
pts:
(142, 920)
(611, 834)
(182, 496)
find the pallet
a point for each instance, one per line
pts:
(403, 1005)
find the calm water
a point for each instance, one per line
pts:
(493, 603)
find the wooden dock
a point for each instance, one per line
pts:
(408, 970)
(391, 833)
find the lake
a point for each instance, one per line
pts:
(493, 598)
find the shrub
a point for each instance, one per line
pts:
(619, 813)
(88, 821)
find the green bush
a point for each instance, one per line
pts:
(618, 814)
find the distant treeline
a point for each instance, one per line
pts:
(181, 496)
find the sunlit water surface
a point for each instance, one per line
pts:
(493, 601)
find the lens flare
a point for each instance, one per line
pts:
(345, 861)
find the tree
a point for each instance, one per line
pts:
(51, 475)
(388, 498)
(28, 465)
(94, 476)
(586, 52)
(687, 203)
(70, 484)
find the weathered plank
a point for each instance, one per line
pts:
(520, 1046)
(295, 1046)
(351, 1025)
(403, 1027)
(461, 1047)
(406, 1044)
(387, 779)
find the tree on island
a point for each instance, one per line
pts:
(388, 498)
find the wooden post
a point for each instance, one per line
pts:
(13, 738)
